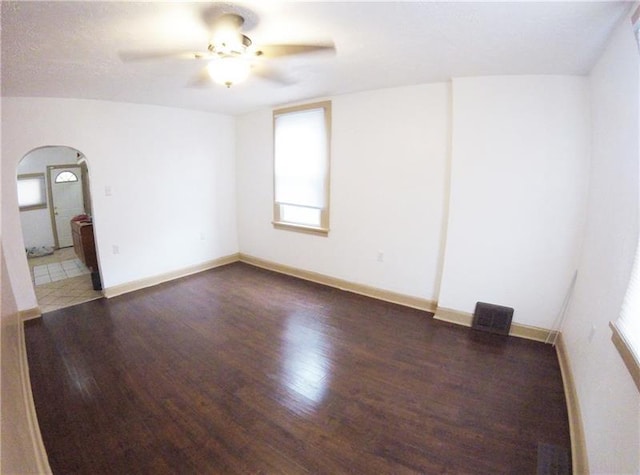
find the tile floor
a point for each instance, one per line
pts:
(46, 273)
(61, 280)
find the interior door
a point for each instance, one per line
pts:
(65, 185)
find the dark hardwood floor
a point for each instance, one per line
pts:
(240, 370)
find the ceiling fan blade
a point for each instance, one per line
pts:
(148, 55)
(270, 74)
(276, 51)
(201, 80)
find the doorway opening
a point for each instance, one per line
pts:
(54, 195)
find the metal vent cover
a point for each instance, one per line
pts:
(553, 460)
(492, 318)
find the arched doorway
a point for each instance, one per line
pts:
(54, 197)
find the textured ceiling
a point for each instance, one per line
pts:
(70, 49)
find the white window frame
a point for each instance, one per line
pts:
(279, 207)
(625, 328)
(42, 204)
(66, 177)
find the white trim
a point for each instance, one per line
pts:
(580, 463)
(323, 227)
(517, 329)
(361, 289)
(373, 292)
(161, 278)
(39, 452)
(30, 314)
(625, 349)
(453, 316)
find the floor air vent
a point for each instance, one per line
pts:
(553, 460)
(492, 318)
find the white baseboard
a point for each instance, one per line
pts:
(161, 278)
(40, 453)
(368, 291)
(517, 329)
(30, 314)
(453, 316)
(578, 447)
(580, 462)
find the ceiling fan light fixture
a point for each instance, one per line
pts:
(229, 70)
(229, 43)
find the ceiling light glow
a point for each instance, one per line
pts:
(229, 70)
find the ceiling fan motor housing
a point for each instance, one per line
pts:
(227, 49)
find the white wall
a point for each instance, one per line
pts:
(36, 224)
(609, 400)
(519, 177)
(388, 191)
(519, 180)
(171, 174)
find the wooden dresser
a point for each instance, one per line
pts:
(83, 244)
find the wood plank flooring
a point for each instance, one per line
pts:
(241, 370)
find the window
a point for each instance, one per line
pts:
(31, 192)
(626, 329)
(301, 167)
(66, 177)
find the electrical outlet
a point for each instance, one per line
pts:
(115, 249)
(202, 236)
(380, 256)
(107, 191)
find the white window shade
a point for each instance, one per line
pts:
(629, 321)
(301, 158)
(626, 329)
(301, 137)
(31, 192)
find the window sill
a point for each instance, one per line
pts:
(33, 207)
(301, 228)
(629, 358)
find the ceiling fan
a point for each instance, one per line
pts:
(231, 55)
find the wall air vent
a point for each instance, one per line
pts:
(492, 318)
